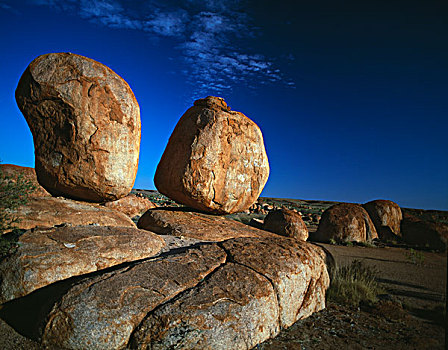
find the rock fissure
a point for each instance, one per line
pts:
(130, 344)
(232, 259)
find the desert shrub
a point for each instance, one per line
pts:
(353, 284)
(14, 192)
(415, 257)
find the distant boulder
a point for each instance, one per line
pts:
(386, 216)
(85, 123)
(425, 234)
(215, 160)
(345, 222)
(287, 223)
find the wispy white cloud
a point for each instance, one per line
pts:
(109, 13)
(205, 31)
(168, 23)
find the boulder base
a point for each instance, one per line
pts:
(131, 205)
(45, 256)
(51, 211)
(215, 160)
(182, 222)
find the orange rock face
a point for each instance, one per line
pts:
(345, 222)
(287, 223)
(131, 205)
(215, 160)
(50, 211)
(85, 123)
(386, 216)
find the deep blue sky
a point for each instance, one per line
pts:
(351, 96)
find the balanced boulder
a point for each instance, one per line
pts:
(85, 123)
(215, 160)
(386, 216)
(345, 222)
(287, 223)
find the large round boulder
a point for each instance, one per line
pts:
(215, 160)
(386, 216)
(345, 222)
(286, 222)
(424, 234)
(85, 123)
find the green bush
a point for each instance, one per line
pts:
(14, 192)
(353, 284)
(415, 257)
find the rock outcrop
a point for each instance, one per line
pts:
(287, 223)
(182, 222)
(386, 216)
(85, 123)
(102, 312)
(425, 234)
(215, 160)
(233, 294)
(131, 205)
(13, 171)
(45, 256)
(51, 211)
(345, 222)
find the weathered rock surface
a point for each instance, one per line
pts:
(186, 223)
(232, 294)
(244, 302)
(235, 308)
(102, 312)
(386, 216)
(215, 160)
(422, 233)
(13, 171)
(50, 211)
(44, 256)
(85, 123)
(131, 205)
(286, 223)
(345, 222)
(297, 271)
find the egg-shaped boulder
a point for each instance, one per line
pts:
(215, 160)
(386, 216)
(85, 123)
(345, 222)
(286, 222)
